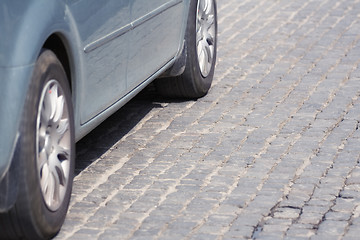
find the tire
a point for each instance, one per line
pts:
(200, 50)
(46, 152)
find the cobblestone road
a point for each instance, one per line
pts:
(272, 152)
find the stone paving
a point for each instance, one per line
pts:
(272, 152)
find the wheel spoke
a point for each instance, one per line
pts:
(209, 7)
(60, 101)
(210, 22)
(56, 190)
(44, 178)
(199, 36)
(201, 56)
(206, 58)
(42, 159)
(61, 130)
(53, 93)
(56, 169)
(60, 164)
(46, 108)
(206, 7)
(51, 189)
(41, 137)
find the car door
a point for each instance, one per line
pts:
(103, 27)
(155, 37)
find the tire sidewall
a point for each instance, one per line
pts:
(45, 223)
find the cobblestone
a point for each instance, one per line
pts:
(272, 152)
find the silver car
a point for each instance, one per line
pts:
(67, 65)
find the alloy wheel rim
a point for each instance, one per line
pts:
(53, 144)
(205, 35)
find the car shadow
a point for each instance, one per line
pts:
(102, 138)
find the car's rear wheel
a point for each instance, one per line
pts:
(200, 50)
(46, 150)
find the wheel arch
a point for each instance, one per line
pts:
(57, 44)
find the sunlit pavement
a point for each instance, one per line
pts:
(271, 152)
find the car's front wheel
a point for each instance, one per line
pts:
(46, 150)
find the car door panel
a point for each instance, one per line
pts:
(155, 37)
(103, 27)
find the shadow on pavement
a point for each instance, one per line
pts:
(108, 133)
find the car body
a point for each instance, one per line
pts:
(109, 50)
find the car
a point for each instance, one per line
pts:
(67, 65)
